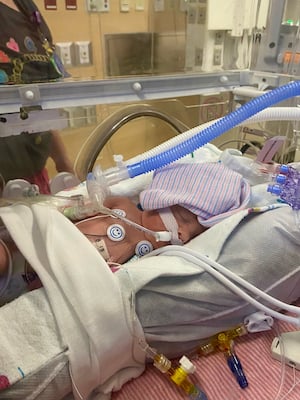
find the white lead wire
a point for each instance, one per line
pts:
(163, 236)
(218, 271)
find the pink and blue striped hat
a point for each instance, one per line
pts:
(210, 190)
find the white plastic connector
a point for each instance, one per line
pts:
(116, 174)
(119, 160)
(97, 186)
(187, 365)
(163, 236)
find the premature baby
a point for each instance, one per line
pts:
(182, 199)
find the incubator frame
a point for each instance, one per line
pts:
(241, 84)
(70, 93)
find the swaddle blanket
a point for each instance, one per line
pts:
(177, 303)
(92, 318)
(264, 249)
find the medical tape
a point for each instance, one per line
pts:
(102, 249)
(98, 243)
(171, 225)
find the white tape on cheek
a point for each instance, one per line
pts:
(171, 225)
(102, 249)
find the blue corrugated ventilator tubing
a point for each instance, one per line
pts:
(216, 129)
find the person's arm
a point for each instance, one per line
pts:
(7, 248)
(59, 154)
(4, 259)
(13, 263)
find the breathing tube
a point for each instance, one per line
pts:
(207, 134)
(269, 114)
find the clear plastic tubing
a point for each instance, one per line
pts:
(269, 114)
(216, 129)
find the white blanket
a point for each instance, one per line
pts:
(93, 320)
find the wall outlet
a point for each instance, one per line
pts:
(65, 50)
(159, 5)
(98, 5)
(217, 57)
(83, 53)
(139, 5)
(183, 5)
(124, 6)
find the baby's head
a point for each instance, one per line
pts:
(211, 191)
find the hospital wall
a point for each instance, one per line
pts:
(97, 28)
(80, 25)
(100, 29)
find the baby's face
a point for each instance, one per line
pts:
(188, 224)
(119, 238)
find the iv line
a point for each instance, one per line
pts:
(163, 236)
(217, 270)
(98, 189)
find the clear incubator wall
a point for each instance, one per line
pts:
(181, 58)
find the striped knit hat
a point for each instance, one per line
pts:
(210, 190)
